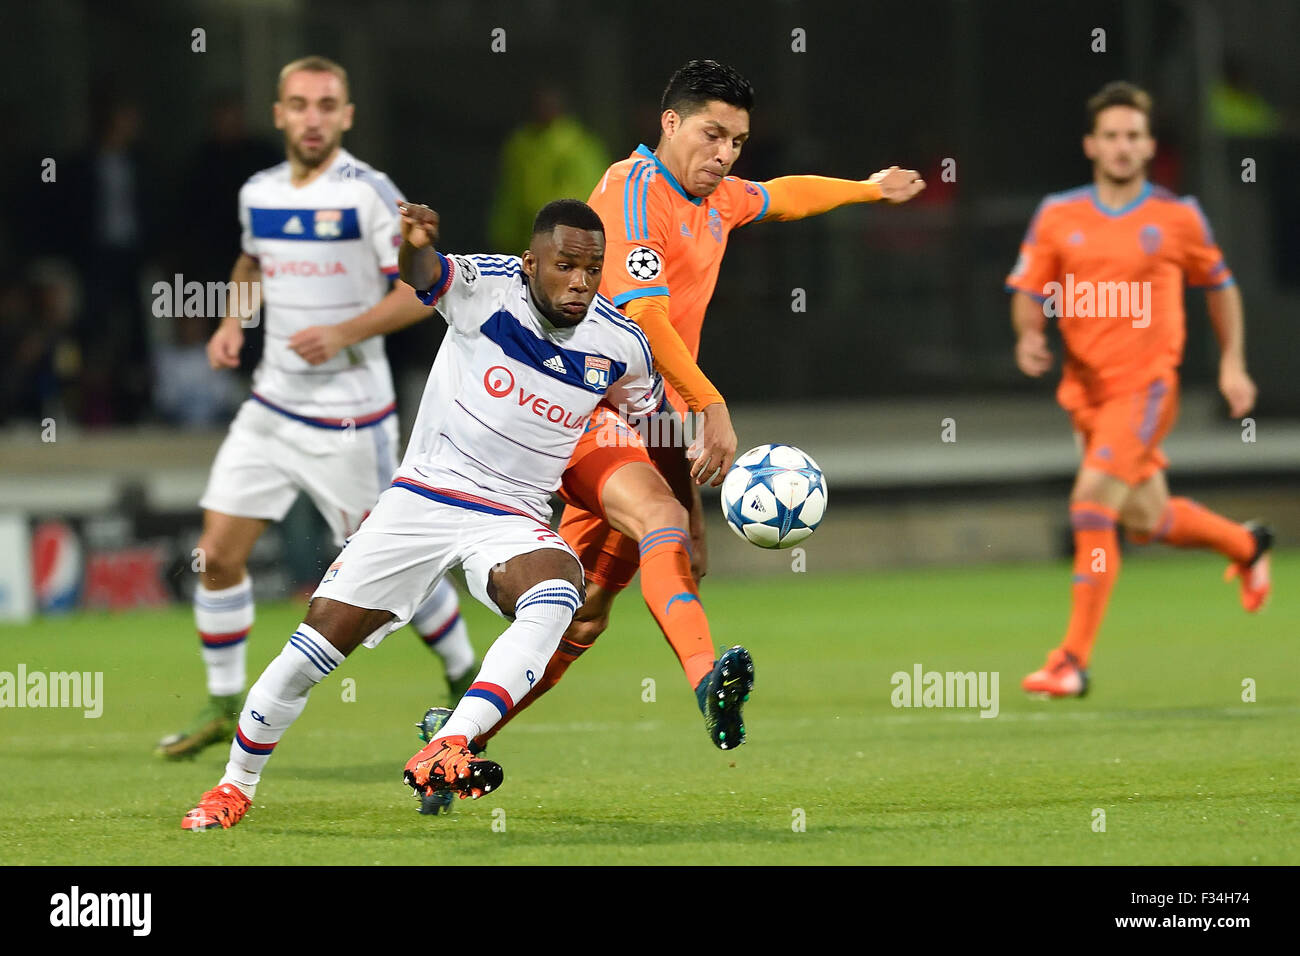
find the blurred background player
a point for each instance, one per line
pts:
(550, 156)
(1123, 241)
(667, 214)
(320, 235)
(473, 490)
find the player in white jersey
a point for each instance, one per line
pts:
(320, 234)
(531, 351)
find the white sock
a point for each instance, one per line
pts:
(223, 619)
(439, 624)
(275, 701)
(517, 659)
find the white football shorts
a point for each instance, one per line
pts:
(267, 458)
(412, 538)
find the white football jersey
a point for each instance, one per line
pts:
(510, 394)
(327, 252)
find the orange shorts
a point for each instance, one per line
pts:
(608, 557)
(1121, 436)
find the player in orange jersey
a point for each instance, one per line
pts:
(667, 214)
(1109, 262)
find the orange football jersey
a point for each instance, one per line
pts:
(1113, 278)
(661, 240)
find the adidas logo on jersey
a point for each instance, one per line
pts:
(556, 364)
(294, 226)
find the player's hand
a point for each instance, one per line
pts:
(1238, 388)
(1033, 357)
(419, 224)
(898, 185)
(318, 344)
(224, 346)
(714, 447)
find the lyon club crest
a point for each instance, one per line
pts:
(328, 223)
(596, 373)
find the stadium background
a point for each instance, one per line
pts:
(905, 323)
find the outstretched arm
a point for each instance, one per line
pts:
(797, 197)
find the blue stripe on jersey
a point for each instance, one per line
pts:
(629, 187)
(449, 500)
(623, 298)
(669, 178)
(1128, 207)
(766, 199)
(271, 223)
(639, 204)
(496, 265)
(336, 424)
(523, 346)
(627, 325)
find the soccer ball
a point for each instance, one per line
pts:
(774, 496)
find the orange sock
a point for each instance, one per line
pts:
(1096, 565)
(1186, 524)
(669, 591)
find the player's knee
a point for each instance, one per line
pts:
(220, 568)
(661, 511)
(344, 625)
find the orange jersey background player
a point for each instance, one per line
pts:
(668, 213)
(1110, 261)
(1138, 257)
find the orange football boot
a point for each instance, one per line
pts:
(447, 764)
(222, 806)
(1061, 676)
(1254, 574)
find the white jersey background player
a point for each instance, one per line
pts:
(320, 234)
(531, 350)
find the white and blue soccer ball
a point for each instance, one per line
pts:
(774, 496)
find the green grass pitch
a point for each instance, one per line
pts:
(1185, 770)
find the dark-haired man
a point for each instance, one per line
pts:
(1109, 260)
(531, 349)
(667, 214)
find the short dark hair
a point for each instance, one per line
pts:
(1118, 93)
(567, 212)
(700, 81)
